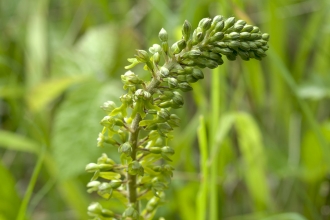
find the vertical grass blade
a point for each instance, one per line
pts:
(23, 208)
(203, 190)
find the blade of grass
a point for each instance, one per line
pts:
(203, 190)
(215, 114)
(23, 208)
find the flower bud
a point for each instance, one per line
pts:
(130, 77)
(177, 98)
(260, 52)
(105, 167)
(142, 56)
(92, 167)
(258, 43)
(211, 64)
(233, 44)
(182, 44)
(164, 72)
(166, 95)
(107, 121)
(192, 54)
(185, 87)
(115, 184)
(181, 78)
(251, 54)
(244, 46)
(232, 36)
(172, 83)
(93, 184)
(108, 106)
(255, 29)
(237, 27)
(265, 48)
(95, 208)
(104, 159)
(229, 22)
(166, 104)
(205, 24)
(217, 19)
(174, 120)
(164, 128)
(255, 36)
(186, 30)
(199, 36)
(197, 73)
(231, 57)
(167, 150)
(156, 57)
(107, 213)
(215, 56)
(188, 69)
(163, 35)
(247, 28)
(163, 114)
(244, 55)
(131, 213)
(125, 148)
(104, 186)
(191, 79)
(217, 37)
(219, 26)
(225, 51)
(188, 62)
(244, 35)
(265, 36)
(135, 168)
(240, 22)
(155, 150)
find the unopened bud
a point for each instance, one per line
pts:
(92, 167)
(164, 72)
(229, 22)
(247, 28)
(167, 150)
(186, 30)
(142, 56)
(163, 35)
(197, 73)
(185, 87)
(172, 83)
(205, 24)
(108, 106)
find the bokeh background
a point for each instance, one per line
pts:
(255, 136)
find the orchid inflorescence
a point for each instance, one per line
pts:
(140, 128)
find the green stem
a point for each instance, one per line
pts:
(133, 140)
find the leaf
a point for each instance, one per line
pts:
(45, 92)
(312, 158)
(251, 147)
(17, 142)
(95, 52)
(77, 124)
(9, 199)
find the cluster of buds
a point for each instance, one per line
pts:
(140, 128)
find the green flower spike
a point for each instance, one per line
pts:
(141, 127)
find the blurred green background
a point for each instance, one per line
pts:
(255, 136)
